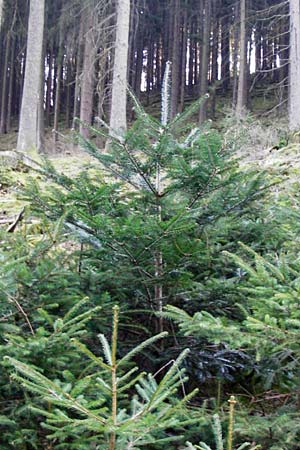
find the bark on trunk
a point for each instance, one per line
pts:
(4, 86)
(183, 61)
(242, 82)
(78, 73)
(225, 54)
(205, 61)
(235, 55)
(1, 12)
(175, 59)
(88, 78)
(118, 117)
(294, 74)
(29, 137)
(10, 88)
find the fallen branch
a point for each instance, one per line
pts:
(18, 219)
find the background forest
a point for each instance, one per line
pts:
(149, 188)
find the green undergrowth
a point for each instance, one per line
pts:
(166, 216)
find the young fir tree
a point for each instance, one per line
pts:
(41, 308)
(111, 405)
(268, 330)
(218, 434)
(159, 212)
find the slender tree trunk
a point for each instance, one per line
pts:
(175, 59)
(139, 62)
(131, 42)
(78, 73)
(242, 82)
(205, 61)
(10, 88)
(183, 60)
(57, 99)
(235, 54)
(258, 49)
(29, 136)
(88, 77)
(214, 55)
(294, 73)
(284, 67)
(4, 95)
(225, 54)
(191, 57)
(118, 116)
(150, 55)
(158, 64)
(1, 12)
(68, 93)
(49, 88)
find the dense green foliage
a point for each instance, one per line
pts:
(156, 229)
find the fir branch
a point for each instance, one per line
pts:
(141, 347)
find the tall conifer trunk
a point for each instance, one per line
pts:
(242, 81)
(88, 75)
(118, 116)
(4, 95)
(205, 48)
(29, 137)
(175, 58)
(1, 13)
(183, 60)
(294, 73)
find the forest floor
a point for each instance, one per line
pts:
(66, 158)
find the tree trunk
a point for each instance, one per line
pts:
(10, 88)
(68, 89)
(57, 99)
(225, 54)
(118, 116)
(139, 62)
(1, 12)
(175, 59)
(242, 82)
(205, 60)
(294, 73)
(183, 60)
(214, 56)
(235, 55)
(49, 88)
(4, 85)
(150, 56)
(29, 137)
(88, 77)
(78, 73)
(191, 57)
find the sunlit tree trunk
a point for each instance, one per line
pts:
(118, 117)
(29, 137)
(294, 74)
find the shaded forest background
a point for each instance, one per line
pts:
(204, 40)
